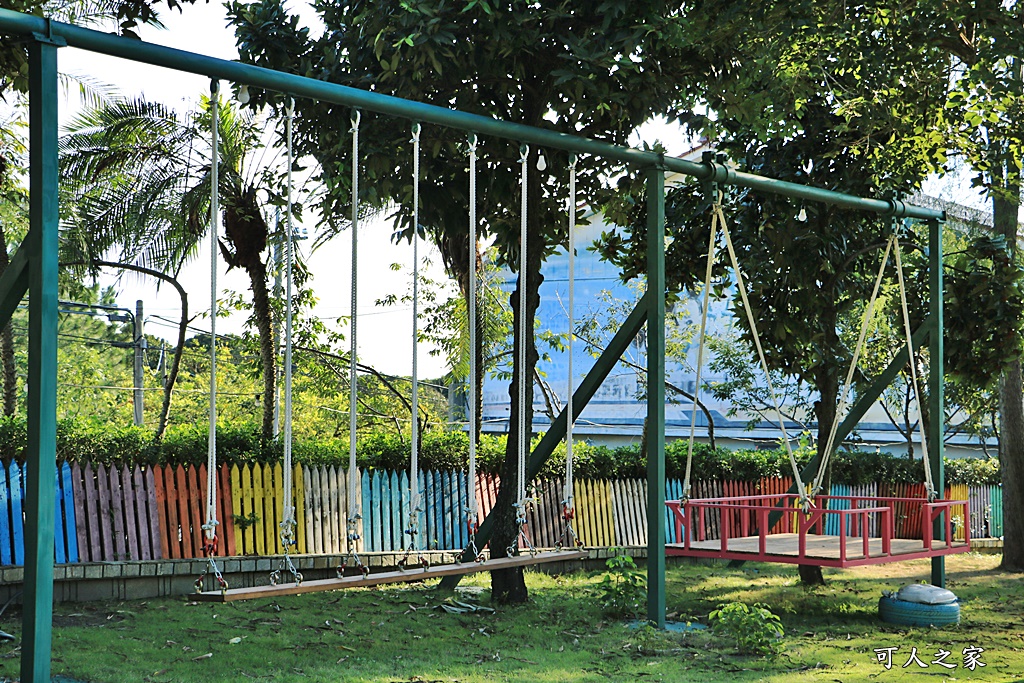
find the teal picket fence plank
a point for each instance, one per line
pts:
(996, 519)
(365, 508)
(17, 484)
(375, 487)
(426, 519)
(832, 521)
(67, 494)
(446, 510)
(397, 505)
(387, 538)
(460, 516)
(673, 491)
(404, 512)
(437, 510)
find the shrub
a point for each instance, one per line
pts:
(623, 590)
(752, 630)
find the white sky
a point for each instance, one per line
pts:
(384, 334)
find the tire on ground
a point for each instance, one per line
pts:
(894, 611)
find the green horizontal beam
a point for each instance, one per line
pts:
(301, 86)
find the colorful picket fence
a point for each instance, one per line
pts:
(106, 514)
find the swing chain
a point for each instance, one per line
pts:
(287, 540)
(568, 537)
(522, 507)
(210, 552)
(351, 553)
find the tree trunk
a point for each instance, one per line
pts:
(172, 377)
(825, 411)
(508, 585)
(1005, 205)
(257, 271)
(10, 370)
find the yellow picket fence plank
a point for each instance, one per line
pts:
(298, 499)
(236, 506)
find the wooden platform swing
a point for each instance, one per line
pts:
(476, 560)
(804, 527)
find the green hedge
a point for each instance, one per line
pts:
(79, 440)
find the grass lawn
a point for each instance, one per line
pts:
(398, 633)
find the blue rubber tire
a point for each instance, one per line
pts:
(893, 611)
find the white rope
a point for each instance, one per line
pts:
(760, 352)
(830, 445)
(928, 483)
(705, 304)
(567, 494)
(288, 522)
(211, 454)
(353, 382)
(524, 380)
(414, 490)
(471, 511)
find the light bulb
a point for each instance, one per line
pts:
(243, 94)
(542, 163)
(802, 216)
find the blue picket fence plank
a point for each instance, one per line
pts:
(6, 523)
(59, 554)
(70, 523)
(17, 483)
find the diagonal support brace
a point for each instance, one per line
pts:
(588, 387)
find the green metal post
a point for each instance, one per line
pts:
(37, 616)
(936, 385)
(656, 397)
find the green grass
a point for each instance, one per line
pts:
(397, 634)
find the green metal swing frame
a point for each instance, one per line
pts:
(34, 267)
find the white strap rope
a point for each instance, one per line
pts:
(741, 286)
(570, 419)
(524, 380)
(928, 483)
(471, 511)
(414, 491)
(211, 454)
(830, 445)
(705, 304)
(288, 522)
(353, 381)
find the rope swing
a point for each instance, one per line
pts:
(413, 530)
(472, 517)
(288, 522)
(522, 503)
(568, 501)
(807, 494)
(210, 527)
(354, 515)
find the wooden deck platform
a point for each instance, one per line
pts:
(821, 550)
(379, 578)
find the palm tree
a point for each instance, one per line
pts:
(137, 191)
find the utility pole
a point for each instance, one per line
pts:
(139, 346)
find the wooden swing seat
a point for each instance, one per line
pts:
(861, 534)
(379, 578)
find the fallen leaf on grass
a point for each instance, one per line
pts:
(235, 641)
(206, 656)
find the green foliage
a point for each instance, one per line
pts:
(623, 589)
(81, 440)
(752, 630)
(984, 310)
